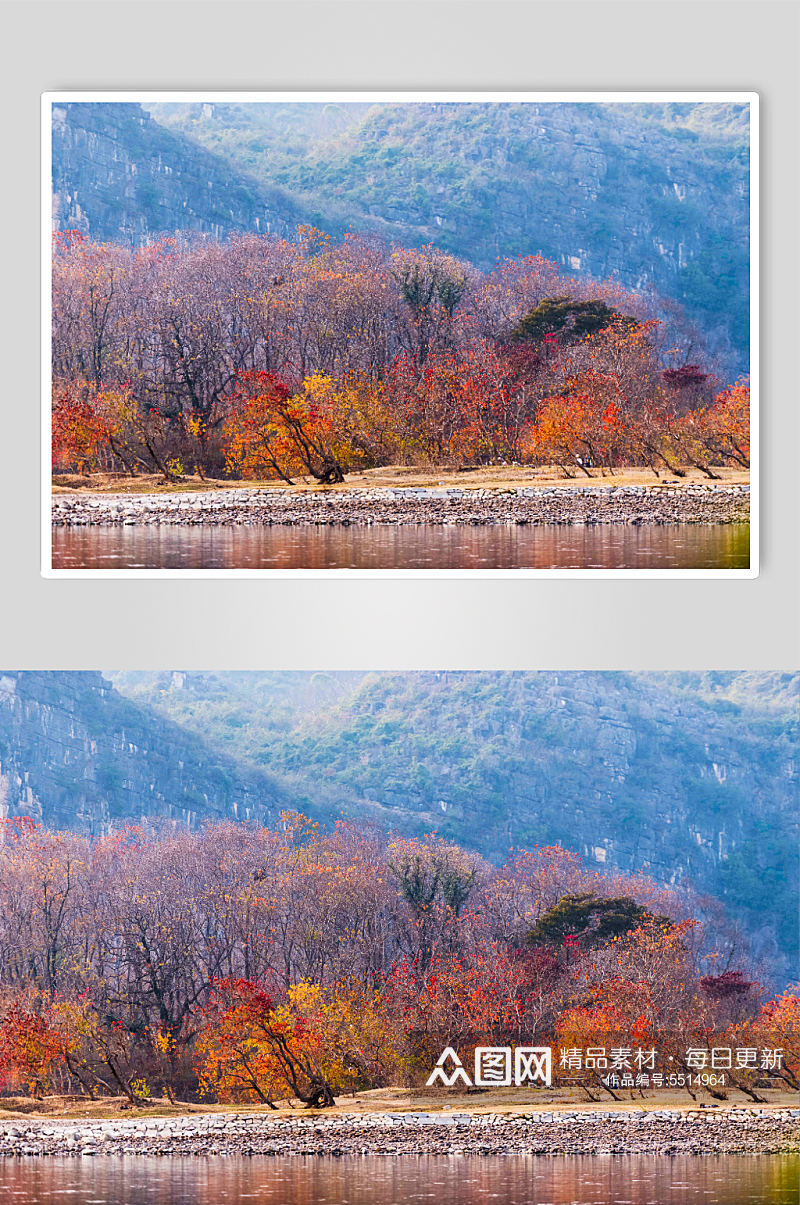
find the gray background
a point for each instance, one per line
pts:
(191, 623)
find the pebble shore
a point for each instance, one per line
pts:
(584, 505)
(660, 1132)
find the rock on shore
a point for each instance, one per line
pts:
(584, 505)
(743, 1131)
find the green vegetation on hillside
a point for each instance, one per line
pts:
(693, 776)
(647, 193)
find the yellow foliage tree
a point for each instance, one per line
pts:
(319, 1041)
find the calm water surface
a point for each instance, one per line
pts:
(403, 1180)
(680, 546)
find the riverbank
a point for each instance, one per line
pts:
(586, 505)
(632, 1131)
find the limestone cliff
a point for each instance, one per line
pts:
(648, 194)
(75, 754)
(119, 175)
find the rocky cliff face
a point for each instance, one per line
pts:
(650, 195)
(689, 777)
(629, 772)
(692, 778)
(118, 175)
(74, 754)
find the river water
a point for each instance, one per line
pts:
(404, 1180)
(678, 546)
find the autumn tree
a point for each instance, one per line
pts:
(579, 429)
(317, 1042)
(272, 431)
(79, 432)
(432, 285)
(29, 1049)
(434, 879)
(775, 1027)
(716, 434)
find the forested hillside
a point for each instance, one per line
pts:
(652, 195)
(693, 777)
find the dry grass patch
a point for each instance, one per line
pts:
(393, 1100)
(393, 477)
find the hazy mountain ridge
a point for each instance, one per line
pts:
(655, 198)
(120, 176)
(75, 754)
(692, 777)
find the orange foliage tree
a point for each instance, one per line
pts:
(717, 434)
(776, 1027)
(577, 430)
(318, 1041)
(80, 432)
(460, 405)
(482, 998)
(270, 430)
(393, 354)
(29, 1050)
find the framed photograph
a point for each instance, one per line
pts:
(400, 334)
(230, 898)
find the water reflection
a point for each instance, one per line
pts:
(679, 546)
(404, 1180)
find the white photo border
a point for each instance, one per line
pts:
(340, 96)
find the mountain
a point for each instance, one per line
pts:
(76, 754)
(691, 777)
(653, 195)
(120, 176)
